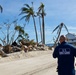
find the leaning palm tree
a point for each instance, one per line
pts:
(1, 9)
(42, 13)
(59, 27)
(28, 12)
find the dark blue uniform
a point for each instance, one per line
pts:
(65, 54)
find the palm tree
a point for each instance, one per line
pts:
(28, 12)
(20, 31)
(1, 9)
(59, 27)
(39, 15)
(42, 13)
(26, 36)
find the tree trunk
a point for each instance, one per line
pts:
(58, 36)
(43, 28)
(8, 35)
(35, 29)
(40, 29)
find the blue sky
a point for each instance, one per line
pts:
(57, 11)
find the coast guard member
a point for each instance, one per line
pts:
(66, 54)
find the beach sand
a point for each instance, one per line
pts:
(30, 63)
(24, 55)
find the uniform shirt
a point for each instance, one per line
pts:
(65, 54)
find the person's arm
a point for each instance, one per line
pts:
(55, 53)
(75, 52)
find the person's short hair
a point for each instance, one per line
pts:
(62, 37)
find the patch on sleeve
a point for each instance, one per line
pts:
(64, 51)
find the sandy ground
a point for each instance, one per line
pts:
(31, 63)
(22, 55)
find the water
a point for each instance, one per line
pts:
(50, 45)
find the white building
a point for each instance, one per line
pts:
(71, 38)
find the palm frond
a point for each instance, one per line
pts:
(58, 30)
(24, 9)
(55, 28)
(66, 28)
(42, 5)
(23, 17)
(1, 9)
(22, 13)
(60, 27)
(39, 9)
(27, 5)
(28, 17)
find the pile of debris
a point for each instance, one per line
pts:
(5, 50)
